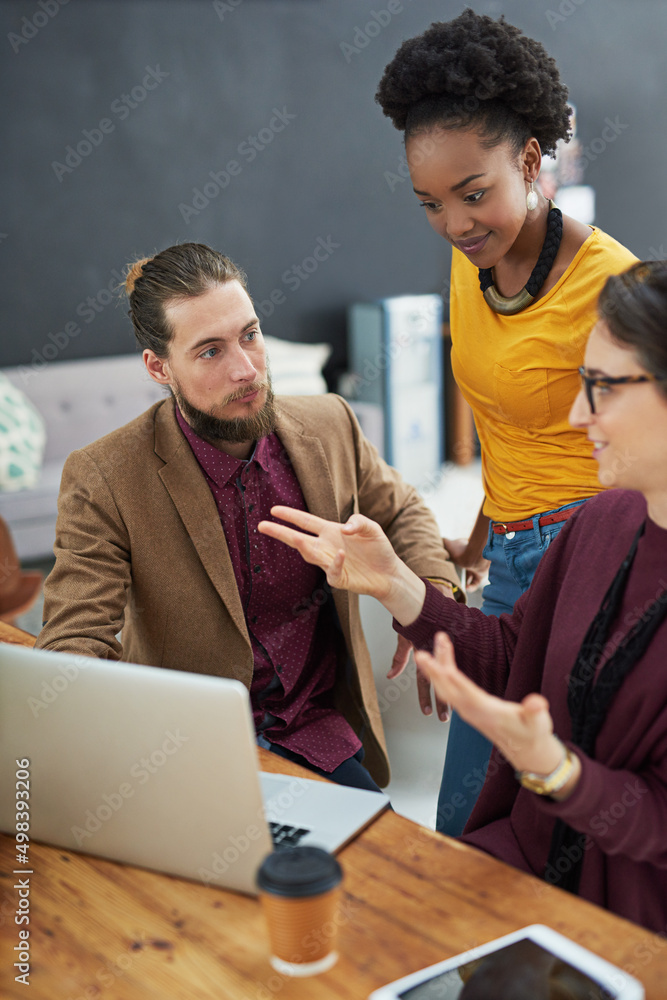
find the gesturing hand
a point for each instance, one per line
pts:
(522, 731)
(355, 556)
(475, 569)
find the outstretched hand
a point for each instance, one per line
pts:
(355, 556)
(522, 731)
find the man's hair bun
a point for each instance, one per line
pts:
(134, 272)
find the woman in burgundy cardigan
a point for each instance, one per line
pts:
(571, 688)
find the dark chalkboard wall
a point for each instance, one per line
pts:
(276, 99)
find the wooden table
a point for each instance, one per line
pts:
(105, 931)
(15, 635)
(411, 897)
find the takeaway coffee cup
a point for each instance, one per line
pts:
(299, 890)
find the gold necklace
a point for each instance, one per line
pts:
(508, 306)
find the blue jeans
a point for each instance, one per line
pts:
(514, 558)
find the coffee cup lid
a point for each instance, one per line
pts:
(299, 871)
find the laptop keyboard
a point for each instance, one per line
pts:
(286, 836)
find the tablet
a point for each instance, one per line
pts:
(534, 963)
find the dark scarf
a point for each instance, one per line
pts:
(588, 701)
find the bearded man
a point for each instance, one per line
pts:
(157, 541)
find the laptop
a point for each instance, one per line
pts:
(156, 768)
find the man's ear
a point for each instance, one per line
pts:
(157, 368)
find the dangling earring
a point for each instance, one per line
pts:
(531, 199)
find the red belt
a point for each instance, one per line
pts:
(502, 529)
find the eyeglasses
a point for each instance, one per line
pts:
(602, 382)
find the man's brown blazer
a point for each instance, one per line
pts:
(140, 548)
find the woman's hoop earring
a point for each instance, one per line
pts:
(531, 198)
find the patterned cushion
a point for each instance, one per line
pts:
(22, 439)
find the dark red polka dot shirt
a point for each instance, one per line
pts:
(288, 608)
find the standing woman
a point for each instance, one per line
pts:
(479, 104)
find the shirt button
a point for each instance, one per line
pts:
(510, 534)
(258, 569)
(279, 668)
(253, 620)
(250, 507)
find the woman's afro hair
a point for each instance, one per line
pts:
(456, 66)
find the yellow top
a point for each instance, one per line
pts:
(519, 375)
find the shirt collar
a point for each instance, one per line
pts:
(218, 465)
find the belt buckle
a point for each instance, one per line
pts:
(503, 526)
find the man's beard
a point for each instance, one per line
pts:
(239, 429)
